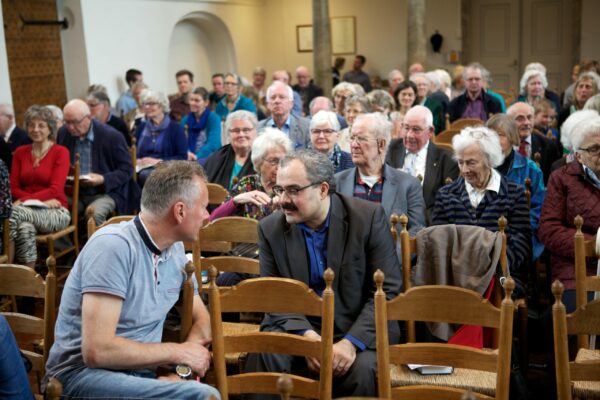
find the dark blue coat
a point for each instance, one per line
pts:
(111, 159)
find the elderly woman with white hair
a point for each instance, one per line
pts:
(586, 86)
(159, 137)
(340, 93)
(374, 180)
(533, 87)
(233, 161)
(482, 195)
(324, 135)
(565, 136)
(573, 190)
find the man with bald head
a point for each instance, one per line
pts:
(533, 142)
(306, 88)
(105, 162)
(419, 157)
(283, 76)
(279, 101)
(415, 68)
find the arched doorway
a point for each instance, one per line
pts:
(201, 43)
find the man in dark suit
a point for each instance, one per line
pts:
(280, 100)
(316, 229)
(105, 162)
(532, 142)
(99, 104)
(474, 102)
(9, 131)
(306, 88)
(419, 157)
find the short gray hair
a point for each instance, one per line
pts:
(42, 113)
(56, 111)
(393, 72)
(426, 114)
(100, 97)
(593, 103)
(583, 130)
(444, 77)
(508, 126)
(434, 78)
(356, 99)
(381, 98)
(159, 97)
(7, 109)
(325, 117)
(343, 86)
(573, 120)
(269, 139)
(170, 182)
(475, 65)
(318, 166)
(532, 73)
(377, 125)
(240, 115)
(485, 138)
(275, 84)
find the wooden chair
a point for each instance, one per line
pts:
(446, 146)
(227, 232)
(49, 239)
(91, 222)
(465, 122)
(18, 280)
(484, 371)
(272, 295)
(508, 97)
(216, 194)
(583, 283)
(580, 378)
(445, 137)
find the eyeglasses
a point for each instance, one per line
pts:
(238, 130)
(76, 122)
(150, 103)
(593, 150)
(272, 161)
(360, 139)
(93, 105)
(230, 83)
(415, 129)
(292, 191)
(326, 132)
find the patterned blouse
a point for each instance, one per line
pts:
(5, 197)
(247, 184)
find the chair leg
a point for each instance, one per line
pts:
(524, 356)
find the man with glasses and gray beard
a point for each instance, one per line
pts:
(318, 228)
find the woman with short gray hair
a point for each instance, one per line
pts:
(482, 195)
(324, 136)
(158, 137)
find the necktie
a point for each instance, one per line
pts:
(523, 148)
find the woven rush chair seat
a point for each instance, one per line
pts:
(236, 328)
(587, 389)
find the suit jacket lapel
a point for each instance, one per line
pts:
(431, 166)
(336, 238)
(295, 250)
(390, 187)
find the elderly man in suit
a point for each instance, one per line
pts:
(280, 100)
(104, 160)
(372, 180)
(318, 228)
(533, 142)
(419, 157)
(9, 131)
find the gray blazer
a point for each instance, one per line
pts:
(299, 130)
(358, 244)
(402, 194)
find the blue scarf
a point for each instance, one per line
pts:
(153, 134)
(197, 130)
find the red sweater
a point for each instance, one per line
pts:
(45, 182)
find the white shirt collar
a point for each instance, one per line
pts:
(9, 132)
(476, 195)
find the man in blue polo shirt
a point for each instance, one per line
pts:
(125, 280)
(316, 229)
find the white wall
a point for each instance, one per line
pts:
(5, 91)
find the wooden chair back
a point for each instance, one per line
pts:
(19, 280)
(572, 378)
(446, 146)
(583, 283)
(272, 295)
(91, 222)
(508, 97)
(465, 122)
(226, 232)
(216, 194)
(445, 137)
(72, 191)
(440, 303)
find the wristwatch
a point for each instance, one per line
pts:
(183, 371)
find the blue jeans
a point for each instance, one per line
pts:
(14, 383)
(88, 383)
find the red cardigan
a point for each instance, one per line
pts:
(569, 193)
(45, 182)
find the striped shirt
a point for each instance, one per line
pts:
(363, 191)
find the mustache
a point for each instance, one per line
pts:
(289, 206)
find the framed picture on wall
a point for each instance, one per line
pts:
(304, 38)
(343, 35)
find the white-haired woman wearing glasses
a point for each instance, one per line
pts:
(481, 195)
